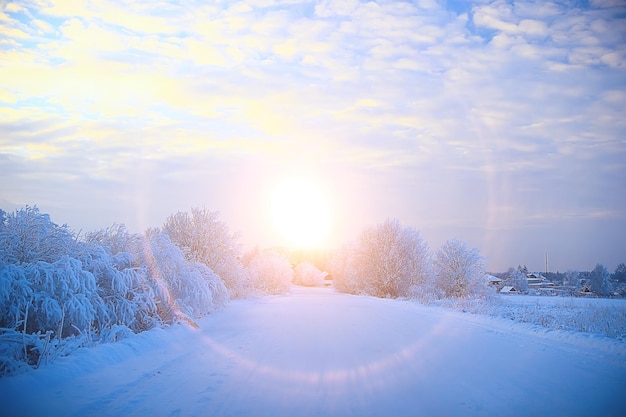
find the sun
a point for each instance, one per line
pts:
(301, 213)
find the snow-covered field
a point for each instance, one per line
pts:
(315, 352)
(600, 316)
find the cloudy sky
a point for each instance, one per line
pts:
(501, 123)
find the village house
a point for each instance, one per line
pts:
(507, 289)
(493, 281)
(537, 281)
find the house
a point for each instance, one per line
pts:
(585, 290)
(507, 289)
(493, 281)
(536, 281)
(328, 279)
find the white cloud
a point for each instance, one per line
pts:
(330, 8)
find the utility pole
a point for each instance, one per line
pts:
(546, 265)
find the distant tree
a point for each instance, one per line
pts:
(459, 271)
(522, 269)
(572, 278)
(307, 274)
(599, 280)
(269, 271)
(620, 273)
(556, 277)
(204, 238)
(387, 261)
(343, 268)
(517, 279)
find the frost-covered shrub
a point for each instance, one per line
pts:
(343, 271)
(307, 274)
(517, 279)
(426, 293)
(59, 297)
(459, 271)
(126, 292)
(58, 293)
(26, 235)
(204, 238)
(180, 287)
(270, 272)
(387, 261)
(115, 240)
(16, 295)
(45, 301)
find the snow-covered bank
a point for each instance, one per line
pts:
(316, 352)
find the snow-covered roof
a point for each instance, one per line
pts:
(491, 278)
(508, 289)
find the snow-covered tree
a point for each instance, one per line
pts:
(181, 288)
(343, 269)
(572, 278)
(27, 235)
(459, 271)
(599, 280)
(517, 279)
(387, 261)
(269, 271)
(307, 274)
(620, 273)
(125, 290)
(204, 238)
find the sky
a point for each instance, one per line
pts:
(498, 123)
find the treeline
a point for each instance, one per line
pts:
(60, 291)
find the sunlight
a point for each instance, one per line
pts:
(301, 213)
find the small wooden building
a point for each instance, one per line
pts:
(507, 289)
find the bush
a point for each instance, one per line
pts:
(343, 271)
(204, 238)
(58, 293)
(125, 290)
(270, 272)
(26, 236)
(181, 288)
(306, 274)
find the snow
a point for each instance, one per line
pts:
(315, 352)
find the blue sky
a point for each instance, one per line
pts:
(499, 123)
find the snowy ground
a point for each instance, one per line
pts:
(319, 353)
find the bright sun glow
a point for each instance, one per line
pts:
(301, 213)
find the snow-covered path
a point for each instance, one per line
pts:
(319, 353)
